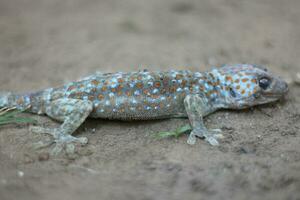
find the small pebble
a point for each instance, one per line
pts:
(20, 174)
(44, 156)
(297, 78)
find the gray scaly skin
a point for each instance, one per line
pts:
(147, 95)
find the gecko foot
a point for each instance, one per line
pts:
(210, 136)
(61, 140)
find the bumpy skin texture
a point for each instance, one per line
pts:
(147, 95)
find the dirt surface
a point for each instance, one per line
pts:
(46, 43)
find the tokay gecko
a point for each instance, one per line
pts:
(146, 95)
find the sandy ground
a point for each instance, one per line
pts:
(46, 43)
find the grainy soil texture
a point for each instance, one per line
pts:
(46, 43)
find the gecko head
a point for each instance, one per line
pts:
(246, 85)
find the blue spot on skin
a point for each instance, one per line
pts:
(155, 91)
(162, 98)
(114, 85)
(111, 94)
(137, 92)
(134, 101)
(150, 83)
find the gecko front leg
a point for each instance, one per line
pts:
(72, 112)
(197, 107)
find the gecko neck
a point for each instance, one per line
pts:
(209, 84)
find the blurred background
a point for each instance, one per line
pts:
(61, 40)
(46, 43)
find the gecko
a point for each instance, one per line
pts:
(146, 95)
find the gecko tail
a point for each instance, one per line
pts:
(4, 97)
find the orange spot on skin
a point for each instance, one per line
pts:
(178, 76)
(157, 84)
(238, 87)
(139, 85)
(120, 87)
(113, 90)
(244, 80)
(173, 89)
(248, 85)
(228, 78)
(128, 93)
(100, 96)
(183, 83)
(95, 82)
(20, 101)
(243, 92)
(253, 80)
(91, 98)
(104, 88)
(120, 80)
(154, 96)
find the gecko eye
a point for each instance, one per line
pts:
(264, 82)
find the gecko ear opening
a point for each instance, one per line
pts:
(232, 92)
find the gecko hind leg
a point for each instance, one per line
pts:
(72, 112)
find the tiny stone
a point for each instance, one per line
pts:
(20, 174)
(44, 157)
(297, 78)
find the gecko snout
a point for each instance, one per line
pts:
(281, 87)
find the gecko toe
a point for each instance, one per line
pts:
(212, 140)
(211, 136)
(192, 139)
